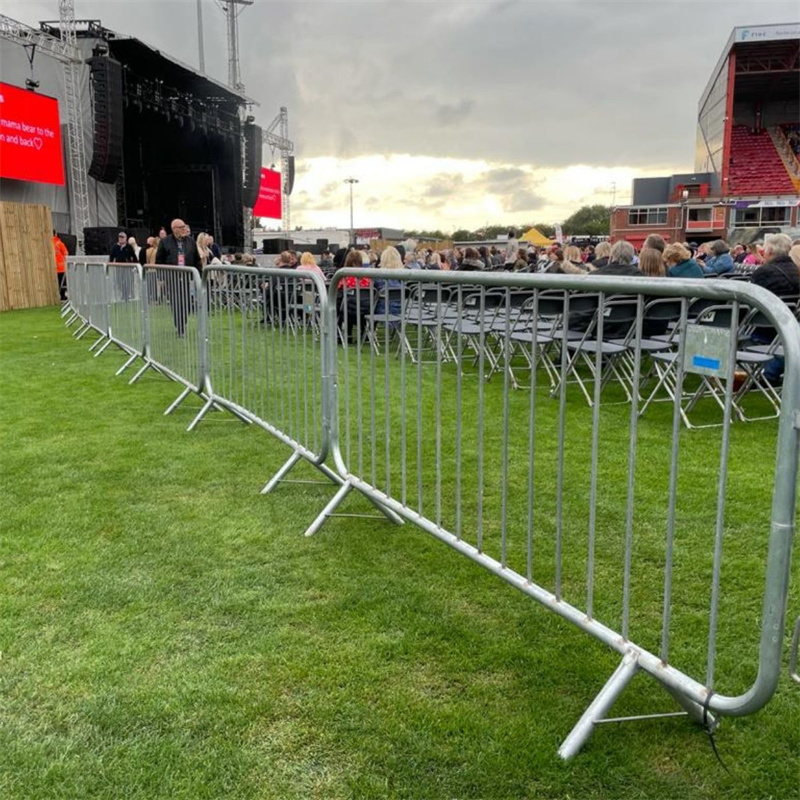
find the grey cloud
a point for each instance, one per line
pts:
(524, 200)
(453, 113)
(444, 185)
(330, 188)
(503, 177)
(599, 82)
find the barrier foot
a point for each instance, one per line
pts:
(126, 364)
(235, 413)
(141, 372)
(600, 706)
(203, 411)
(693, 710)
(71, 318)
(177, 401)
(387, 512)
(81, 331)
(103, 348)
(333, 503)
(97, 342)
(281, 473)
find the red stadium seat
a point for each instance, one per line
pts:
(756, 166)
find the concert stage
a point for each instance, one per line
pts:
(163, 140)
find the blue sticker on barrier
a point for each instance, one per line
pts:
(703, 362)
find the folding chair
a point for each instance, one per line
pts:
(666, 363)
(425, 307)
(391, 297)
(597, 346)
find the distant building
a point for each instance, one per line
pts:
(318, 239)
(747, 157)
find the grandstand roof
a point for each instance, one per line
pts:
(767, 41)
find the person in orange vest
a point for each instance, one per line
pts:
(60, 251)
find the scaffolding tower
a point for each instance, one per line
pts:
(276, 136)
(65, 50)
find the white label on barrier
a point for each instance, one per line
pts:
(708, 350)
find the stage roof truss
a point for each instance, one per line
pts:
(22, 34)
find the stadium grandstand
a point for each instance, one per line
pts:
(747, 157)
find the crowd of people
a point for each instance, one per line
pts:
(198, 252)
(774, 264)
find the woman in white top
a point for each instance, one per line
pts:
(512, 250)
(202, 250)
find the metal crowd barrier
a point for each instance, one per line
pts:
(266, 358)
(126, 324)
(76, 307)
(95, 302)
(438, 398)
(175, 318)
(565, 524)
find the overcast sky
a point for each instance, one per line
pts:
(452, 114)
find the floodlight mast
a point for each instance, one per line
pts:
(232, 9)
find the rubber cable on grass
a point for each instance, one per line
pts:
(710, 732)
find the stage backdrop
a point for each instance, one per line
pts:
(27, 262)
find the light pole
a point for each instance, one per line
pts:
(684, 213)
(200, 48)
(351, 181)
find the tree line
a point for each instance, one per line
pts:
(591, 220)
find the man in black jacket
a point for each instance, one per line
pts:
(779, 275)
(123, 253)
(178, 250)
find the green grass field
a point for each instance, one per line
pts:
(168, 632)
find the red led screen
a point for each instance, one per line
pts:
(269, 195)
(30, 136)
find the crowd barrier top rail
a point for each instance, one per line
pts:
(697, 697)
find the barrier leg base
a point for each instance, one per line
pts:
(126, 364)
(203, 411)
(97, 342)
(147, 365)
(693, 710)
(177, 401)
(387, 512)
(600, 706)
(103, 348)
(81, 331)
(332, 505)
(281, 473)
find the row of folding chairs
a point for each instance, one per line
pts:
(580, 338)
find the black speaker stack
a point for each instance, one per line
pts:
(70, 241)
(99, 241)
(107, 108)
(252, 164)
(275, 246)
